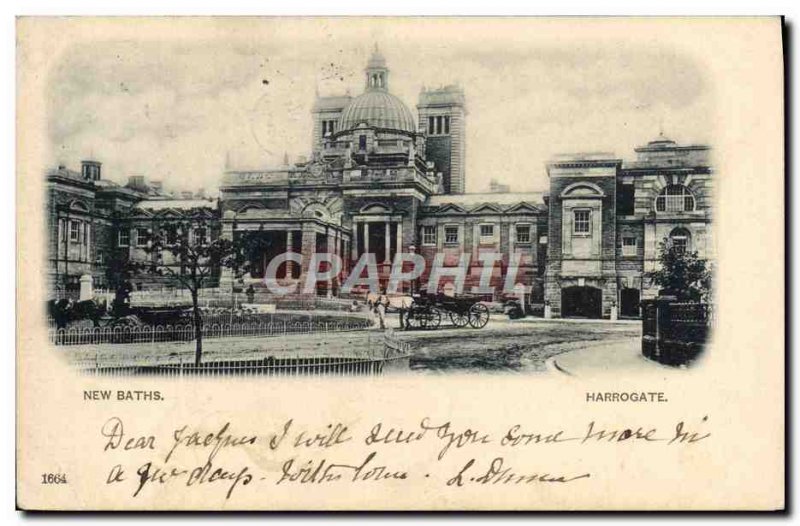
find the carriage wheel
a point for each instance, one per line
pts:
(478, 316)
(429, 318)
(459, 319)
(412, 320)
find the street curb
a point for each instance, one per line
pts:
(552, 365)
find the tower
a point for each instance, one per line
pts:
(377, 74)
(442, 115)
(326, 113)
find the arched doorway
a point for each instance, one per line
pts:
(581, 302)
(629, 303)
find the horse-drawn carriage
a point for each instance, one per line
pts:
(428, 311)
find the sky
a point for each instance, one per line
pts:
(180, 110)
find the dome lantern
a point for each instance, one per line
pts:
(376, 106)
(377, 74)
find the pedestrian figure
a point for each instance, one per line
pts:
(251, 294)
(380, 308)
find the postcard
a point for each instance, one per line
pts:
(418, 263)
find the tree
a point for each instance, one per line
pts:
(682, 274)
(195, 256)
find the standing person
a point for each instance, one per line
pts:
(251, 294)
(380, 306)
(371, 310)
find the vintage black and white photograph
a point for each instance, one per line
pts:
(370, 205)
(400, 263)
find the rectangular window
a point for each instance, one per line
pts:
(124, 238)
(628, 246)
(430, 125)
(487, 233)
(200, 236)
(447, 125)
(451, 235)
(439, 125)
(170, 236)
(582, 224)
(362, 142)
(523, 233)
(625, 199)
(74, 231)
(679, 244)
(141, 237)
(428, 235)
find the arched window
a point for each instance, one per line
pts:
(680, 240)
(675, 198)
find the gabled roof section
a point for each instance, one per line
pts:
(486, 208)
(450, 208)
(523, 208)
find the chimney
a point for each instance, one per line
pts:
(137, 182)
(90, 170)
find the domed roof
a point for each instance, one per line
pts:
(380, 109)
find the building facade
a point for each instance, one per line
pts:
(381, 180)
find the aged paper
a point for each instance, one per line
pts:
(400, 264)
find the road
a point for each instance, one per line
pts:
(519, 346)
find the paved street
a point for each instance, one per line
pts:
(519, 346)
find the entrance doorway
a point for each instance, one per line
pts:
(629, 303)
(581, 302)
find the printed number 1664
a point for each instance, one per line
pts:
(54, 478)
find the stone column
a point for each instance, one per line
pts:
(388, 242)
(226, 274)
(331, 249)
(308, 247)
(289, 245)
(366, 237)
(399, 247)
(354, 245)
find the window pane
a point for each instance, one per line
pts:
(487, 230)
(523, 234)
(428, 235)
(675, 198)
(628, 246)
(451, 234)
(582, 221)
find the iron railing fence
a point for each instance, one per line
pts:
(390, 354)
(675, 333)
(185, 333)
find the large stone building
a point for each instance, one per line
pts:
(382, 180)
